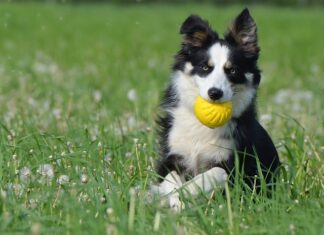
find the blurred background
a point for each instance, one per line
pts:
(63, 60)
(222, 2)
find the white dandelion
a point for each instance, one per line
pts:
(57, 113)
(128, 155)
(131, 121)
(282, 96)
(265, 118)
(33, 203)
(17, 189)
(63, 179)
(46, 171)
(109, 211)
(35, 229)
(132, 95)
(25, 174)
(107, 157)
(97, 96)
(84, 178)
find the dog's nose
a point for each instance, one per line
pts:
(215, 93)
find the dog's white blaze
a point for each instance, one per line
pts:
(217, 78)
(198, 144)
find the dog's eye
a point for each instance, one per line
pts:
(205, 67)
(233, 71)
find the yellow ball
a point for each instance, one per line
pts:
(212, 114)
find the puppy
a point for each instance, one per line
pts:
(219, 70)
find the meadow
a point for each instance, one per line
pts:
(79, 91)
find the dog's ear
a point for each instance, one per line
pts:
(196, 32)
(243, 33)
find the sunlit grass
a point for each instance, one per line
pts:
(78, 97)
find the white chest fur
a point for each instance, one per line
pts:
(198, 144)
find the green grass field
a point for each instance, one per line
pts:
(79, 90)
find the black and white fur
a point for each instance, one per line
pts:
(219, 70)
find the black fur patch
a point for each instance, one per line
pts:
(197, 38)
(165, 120)
(197, 32)
(242, 33)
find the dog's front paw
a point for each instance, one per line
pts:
(175, 203)
(218, 175)
(170, 200)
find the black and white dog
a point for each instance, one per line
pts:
(219, 70)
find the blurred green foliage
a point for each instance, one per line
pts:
(220, 2)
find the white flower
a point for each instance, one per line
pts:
(103, 199)
(33, 203)
(265, 118)
(131, 121)
(84, 178)
(132, 95)
(97, 96)
(57, 113)
(35, 229)
(40, 68)
(107, 157)
(282, 96)
(46, 170)
(18, 189)
(295, 96)
(25, 174)
(304, 96)
(109, 211)
(63, 179)
(128, 154)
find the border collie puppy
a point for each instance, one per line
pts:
(219, 70)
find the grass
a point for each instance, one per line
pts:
(79, 91)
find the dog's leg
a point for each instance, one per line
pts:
(168, 188)
(205, 182)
